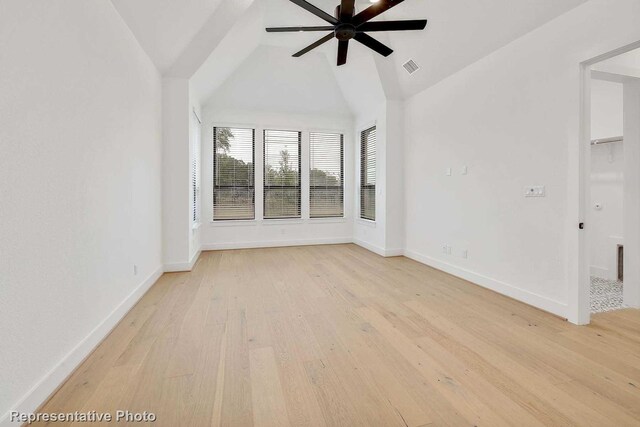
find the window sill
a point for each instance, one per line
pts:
(328, 220)
(233, 223)
(283, 221)
(366, 222)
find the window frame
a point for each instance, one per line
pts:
(342, 176)
(215, 187)
(363, 173)
(266, 187)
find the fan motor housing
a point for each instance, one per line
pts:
(345, 32)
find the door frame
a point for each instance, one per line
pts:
(579, 307)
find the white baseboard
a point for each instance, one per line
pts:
(378, 250)
(535, 300)
(182, 266)
(370, 247)
(41, 391)
(393, 252)
(599, 271)
(275, 244)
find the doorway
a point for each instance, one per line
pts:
(609, 255)
(605, 228)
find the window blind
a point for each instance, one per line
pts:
(368, 174)
(326, 175)
(195, 174)
(194, 189)
(282, 191)
(233, 174)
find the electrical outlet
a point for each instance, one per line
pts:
(465, 170)
(464, 254)
(449, 250)
(135, 270)
(448, 171)
(445, 249)
(534, 191)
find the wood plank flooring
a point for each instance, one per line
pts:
(338, 336)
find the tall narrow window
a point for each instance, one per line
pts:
(233, 174)
(282, 174)
(368, 174)
(195, 171)
(326, 175)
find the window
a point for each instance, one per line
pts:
(326, 175)
(282, 174)
(195, 171)
(368, 174)
(233, 174)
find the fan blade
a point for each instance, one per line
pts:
(346, 10)
(318, 12)
(373, 11)
(374, 44)
(298, 29)
(314, 45)
(393, 25)
(343, 48)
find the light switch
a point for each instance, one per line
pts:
(448, 172)
(465, 170)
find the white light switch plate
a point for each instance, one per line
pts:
(534, 191)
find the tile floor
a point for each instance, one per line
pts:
(606, 295)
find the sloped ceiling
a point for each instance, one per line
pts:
(165, 28)
(261, 84)
(459, 33)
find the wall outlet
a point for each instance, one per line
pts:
(534, 191)
(445, 249)
(465, 170)
(448, 171)
(135, 270)
(449, 250)
(464, 254)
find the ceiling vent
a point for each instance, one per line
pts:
(411, 66)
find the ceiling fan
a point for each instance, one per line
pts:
(347, 25)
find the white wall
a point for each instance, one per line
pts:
(632, 193)
(606, 109)
(372, 234)
(513, 119)
(607, 179)
(385, 235)
(306, 85)
(176, 174)
(181, 135)
(394, 179)
(80, 173)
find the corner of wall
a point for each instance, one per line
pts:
(50, 382)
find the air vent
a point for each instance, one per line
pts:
(411, 66)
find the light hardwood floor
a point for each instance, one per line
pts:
(335, 335)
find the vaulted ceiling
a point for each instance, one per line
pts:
(165, 28)
(459, 33)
